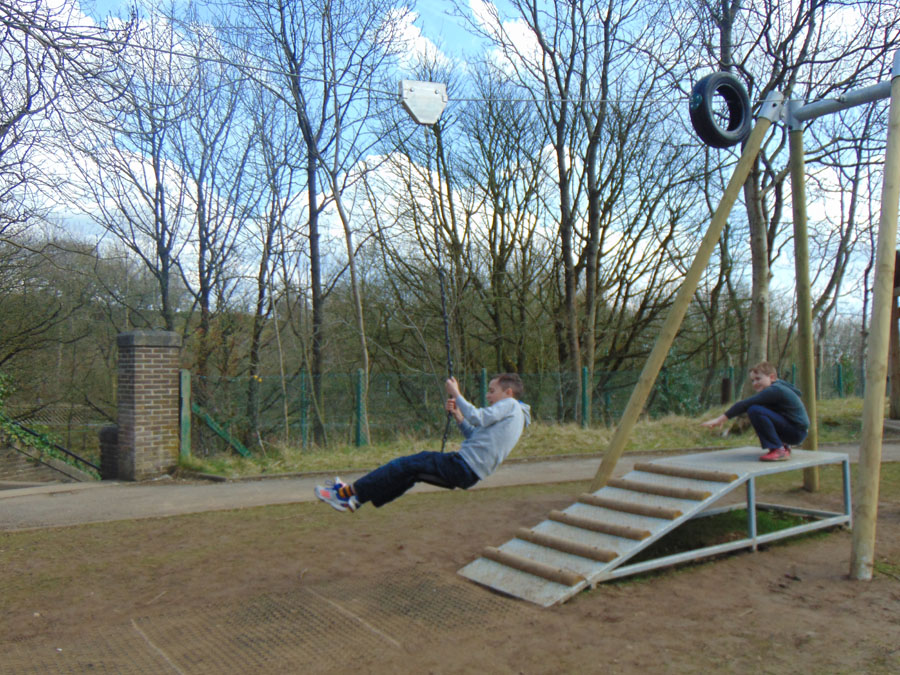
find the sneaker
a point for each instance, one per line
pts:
(328, 493)
(777, 455)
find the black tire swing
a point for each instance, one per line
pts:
(707, 115)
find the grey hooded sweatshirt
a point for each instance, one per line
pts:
(490, 433)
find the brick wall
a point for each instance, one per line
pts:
(148, 403)
(22, 468)
(20, 463)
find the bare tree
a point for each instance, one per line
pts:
(49, 53)
(806, 50)
(849, 146)
(504, 169)
(277, 161)
(127, 181)
(331, 54)
(212, 142)
(599, 74)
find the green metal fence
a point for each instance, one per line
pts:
(404, 405)
(412, 404)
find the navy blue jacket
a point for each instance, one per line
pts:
(780, 396)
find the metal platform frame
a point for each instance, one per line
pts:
(823, 519)
(592, 541)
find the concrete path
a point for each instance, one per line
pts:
(62, 505)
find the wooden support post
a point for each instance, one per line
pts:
(862, 557)
(804, 293)
(771, 110)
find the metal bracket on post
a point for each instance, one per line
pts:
(424, 101)
(772, 108)
(790, 114)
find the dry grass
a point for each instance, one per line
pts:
(839, 421)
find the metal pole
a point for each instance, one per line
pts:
(770, 112)
(848, 100)
(804, 293)
(752, 531)
(862, 557)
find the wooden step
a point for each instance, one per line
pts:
(685, 472)
(566, 552)
(598, 526)
(566, 546)
(523, 564)
(630, 507)
(661, 490)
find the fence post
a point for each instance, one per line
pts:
(585, 397)
(482, 388)
(727, 389)
(185, 383)
(818, 376)
(304, 422)
(359, 440)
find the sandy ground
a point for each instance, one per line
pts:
(300, 588)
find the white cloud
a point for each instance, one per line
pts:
(522, 41)
(421, 49)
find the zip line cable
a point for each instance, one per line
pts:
(440, 270)
(381, 94)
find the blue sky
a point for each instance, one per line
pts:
(444, 30)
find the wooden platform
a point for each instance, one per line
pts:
(592, 541)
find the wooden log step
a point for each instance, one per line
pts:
(631, 507)
(598, 526)
(566, 546)
(684, 472)
(661, 490)
(538, 569)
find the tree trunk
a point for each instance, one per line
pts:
(318, 302)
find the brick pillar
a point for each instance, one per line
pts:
(148, 422)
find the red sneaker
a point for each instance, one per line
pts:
(777, 455)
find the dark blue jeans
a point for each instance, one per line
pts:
(391, 480)
(773, 429)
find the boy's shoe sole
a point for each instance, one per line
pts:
(330, 497)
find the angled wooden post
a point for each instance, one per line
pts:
(804, 292)
(865, 511)
(771, 110)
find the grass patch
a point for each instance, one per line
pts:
(887, 568)
(717, 529)
(839, 421)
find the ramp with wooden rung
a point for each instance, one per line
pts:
(593, 540)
